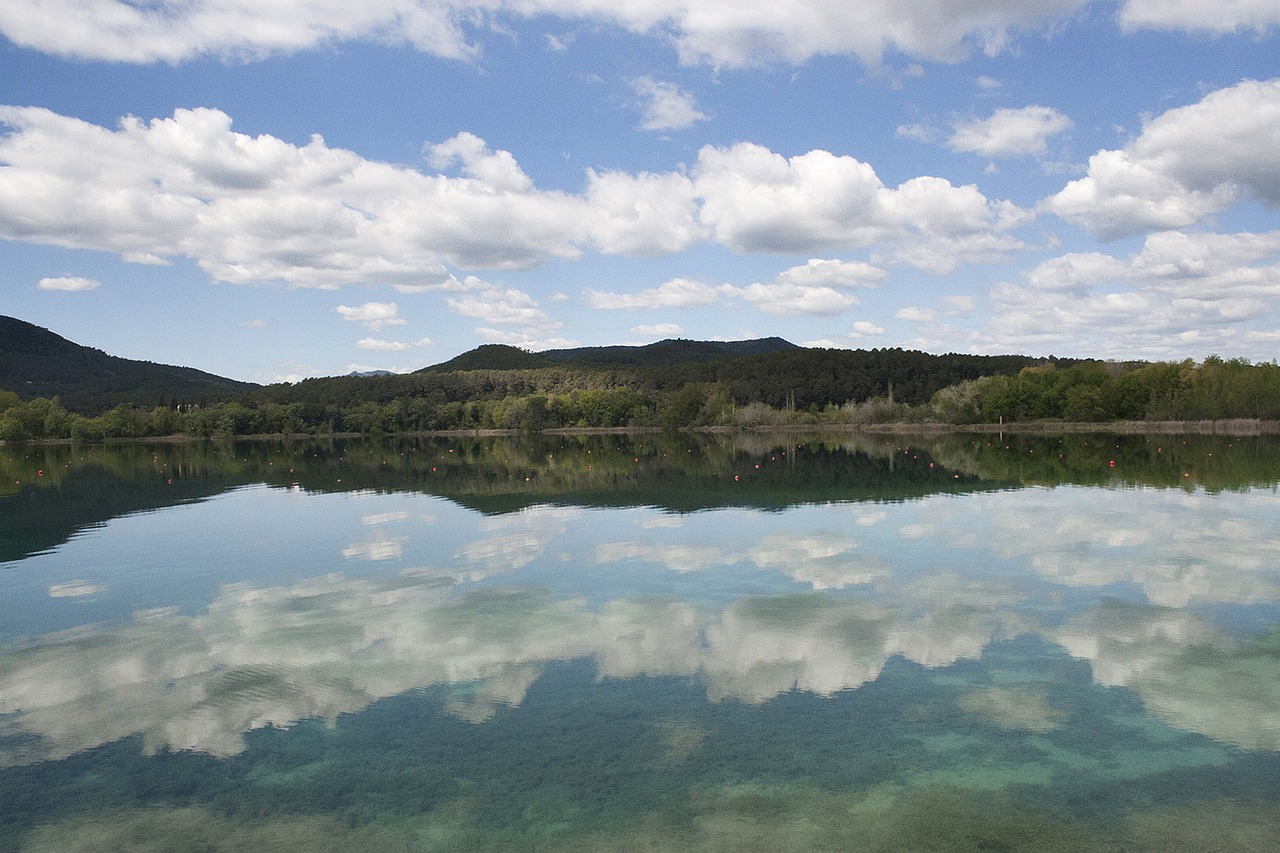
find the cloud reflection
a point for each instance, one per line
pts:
(271, 656)
(1186, 672)
(857, 596)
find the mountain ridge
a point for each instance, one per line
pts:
(36, 362)
(666, 352)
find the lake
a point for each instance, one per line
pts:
(966, 642)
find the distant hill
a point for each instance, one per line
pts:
(667, 352)
(35, 362)
(492, 357)
(660, 354)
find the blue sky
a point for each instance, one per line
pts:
(309, 187)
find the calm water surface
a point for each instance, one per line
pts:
(642, 643)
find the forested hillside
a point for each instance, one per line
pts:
(669, 385)
(35, 362)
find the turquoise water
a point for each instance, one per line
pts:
(642, 644)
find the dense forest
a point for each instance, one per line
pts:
(35, 362)
(787, 387)
(51, 388)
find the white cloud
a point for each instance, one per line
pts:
(145, 259)
(498, 170)
(716, 32)
(916, 314)
(665, 105)
(504, 306)
(69, 283)
(865, 329)
(449, 284)
(1180, 294)
(642, 214)
(676, 293)
(257, 209)
(916, 132)
(758, 201)
(529, 339)
(791, 300)
(755, 200)
(391, 346)
(372, 315)
(258, 323)
(174, 31)
(1187, 163)
(525, 324)
(816, 288)
(662, 330)
(727, 32)
(818, 272)
(1010, 132)
(1217, 18)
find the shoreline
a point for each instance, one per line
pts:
(1231, 427)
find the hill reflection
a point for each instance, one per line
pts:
(47, 493)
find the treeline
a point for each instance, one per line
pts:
(782, 388)
(1094, 392)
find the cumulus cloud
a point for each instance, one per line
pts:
(174, 31)
(676, 293)
(255, 209)
(915, 314)
(755, 200)
(69, 283)
(661, 330)
(818, 287)
(644, 214)
(523, 322)
(1187, 163)
(372, 315)
(259, 209)
(1257, 16)
(819, 272)
(1010, 132)
(716, 32)
(790, 300)
(665, 106)
(391, 346)
(1180, 293)
(499, 305)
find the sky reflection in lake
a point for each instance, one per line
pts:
(1027, 647)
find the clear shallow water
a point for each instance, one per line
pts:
(642, 644)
